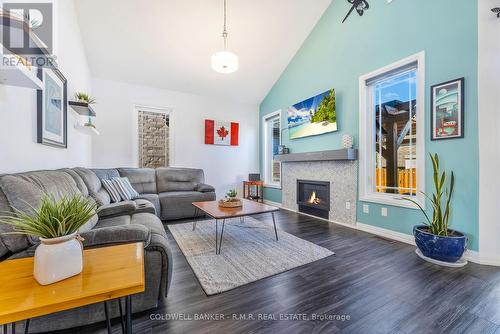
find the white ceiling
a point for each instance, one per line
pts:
(168, 43)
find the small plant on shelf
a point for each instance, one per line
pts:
(84, 97)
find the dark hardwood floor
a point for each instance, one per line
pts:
(381, 285)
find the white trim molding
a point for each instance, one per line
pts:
(265, 155)
(276, 204)
(367, 135)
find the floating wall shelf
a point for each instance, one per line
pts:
(82, 108)
(19, 76)
(343, 154)
(87, 129)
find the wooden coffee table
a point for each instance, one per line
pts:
(249, 208)
(108, 273)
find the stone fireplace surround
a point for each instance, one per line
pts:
(343, 178)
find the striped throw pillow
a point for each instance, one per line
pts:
(125, 189)
(112, 190)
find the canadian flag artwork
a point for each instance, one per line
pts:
(221, 133)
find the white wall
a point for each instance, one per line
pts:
(225, 167)
(18, 148)
(489, 137)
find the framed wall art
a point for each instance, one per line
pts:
(447, 110)
(52, 110)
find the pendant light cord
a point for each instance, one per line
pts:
(224, 32)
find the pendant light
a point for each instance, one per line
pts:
(225, 61)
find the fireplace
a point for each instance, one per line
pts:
(313, 198)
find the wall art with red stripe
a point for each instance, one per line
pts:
(221, 133)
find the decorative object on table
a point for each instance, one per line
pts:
(447, 110)
(221, 133)
(347, 141)
(231, 201)
(359, 5)
(253, 190)
(435, 240)
(56, 223)
(314, 116)
(225, 61)
(496, 10)
(286, 150)
(254, 177)
(52, 111)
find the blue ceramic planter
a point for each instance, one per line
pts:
(448, 249)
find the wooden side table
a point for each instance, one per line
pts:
(108, 273)
(259, 185)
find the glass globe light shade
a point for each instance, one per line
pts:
(225, 62)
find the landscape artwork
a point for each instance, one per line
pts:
(314, 116)
(448, 110)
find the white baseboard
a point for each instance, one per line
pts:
(470, 255)
(385, 233)
(273, 204)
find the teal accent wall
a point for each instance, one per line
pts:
(335, 55)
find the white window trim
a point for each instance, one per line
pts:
(265, 153)
(135, 130)
(366, 135)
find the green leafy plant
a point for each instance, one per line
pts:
(440, 200)
(231, 194)
(84, 97)
(54, 218)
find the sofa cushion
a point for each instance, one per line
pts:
(144, 205)
(125, 189)
(154, 199)
(117, 209)
(204, 188)
(106, 173)
(10, 242)
(93, 183)
(151, 222)
(25, 191)
(178, 179)
(78, 180)
(111, 187)
(113, 221)
(142, 179)
(178, 204)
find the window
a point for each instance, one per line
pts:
(272, 140)
(392, 152)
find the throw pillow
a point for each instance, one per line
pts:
(124, 187)
(112, 190)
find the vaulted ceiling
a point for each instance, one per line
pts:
(168, 43)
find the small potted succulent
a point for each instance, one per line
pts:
(56, 223)
(84, 97)
(231, 201)
(435, 239)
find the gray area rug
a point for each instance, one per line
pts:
(249, 252)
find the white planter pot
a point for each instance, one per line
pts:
(57, 259)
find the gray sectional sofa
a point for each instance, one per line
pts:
(165, 193)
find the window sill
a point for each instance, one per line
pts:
(394, 200)
(274, 186)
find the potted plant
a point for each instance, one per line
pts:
(435, 239)
(231, 201)
(84, 97)
(56, 223)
